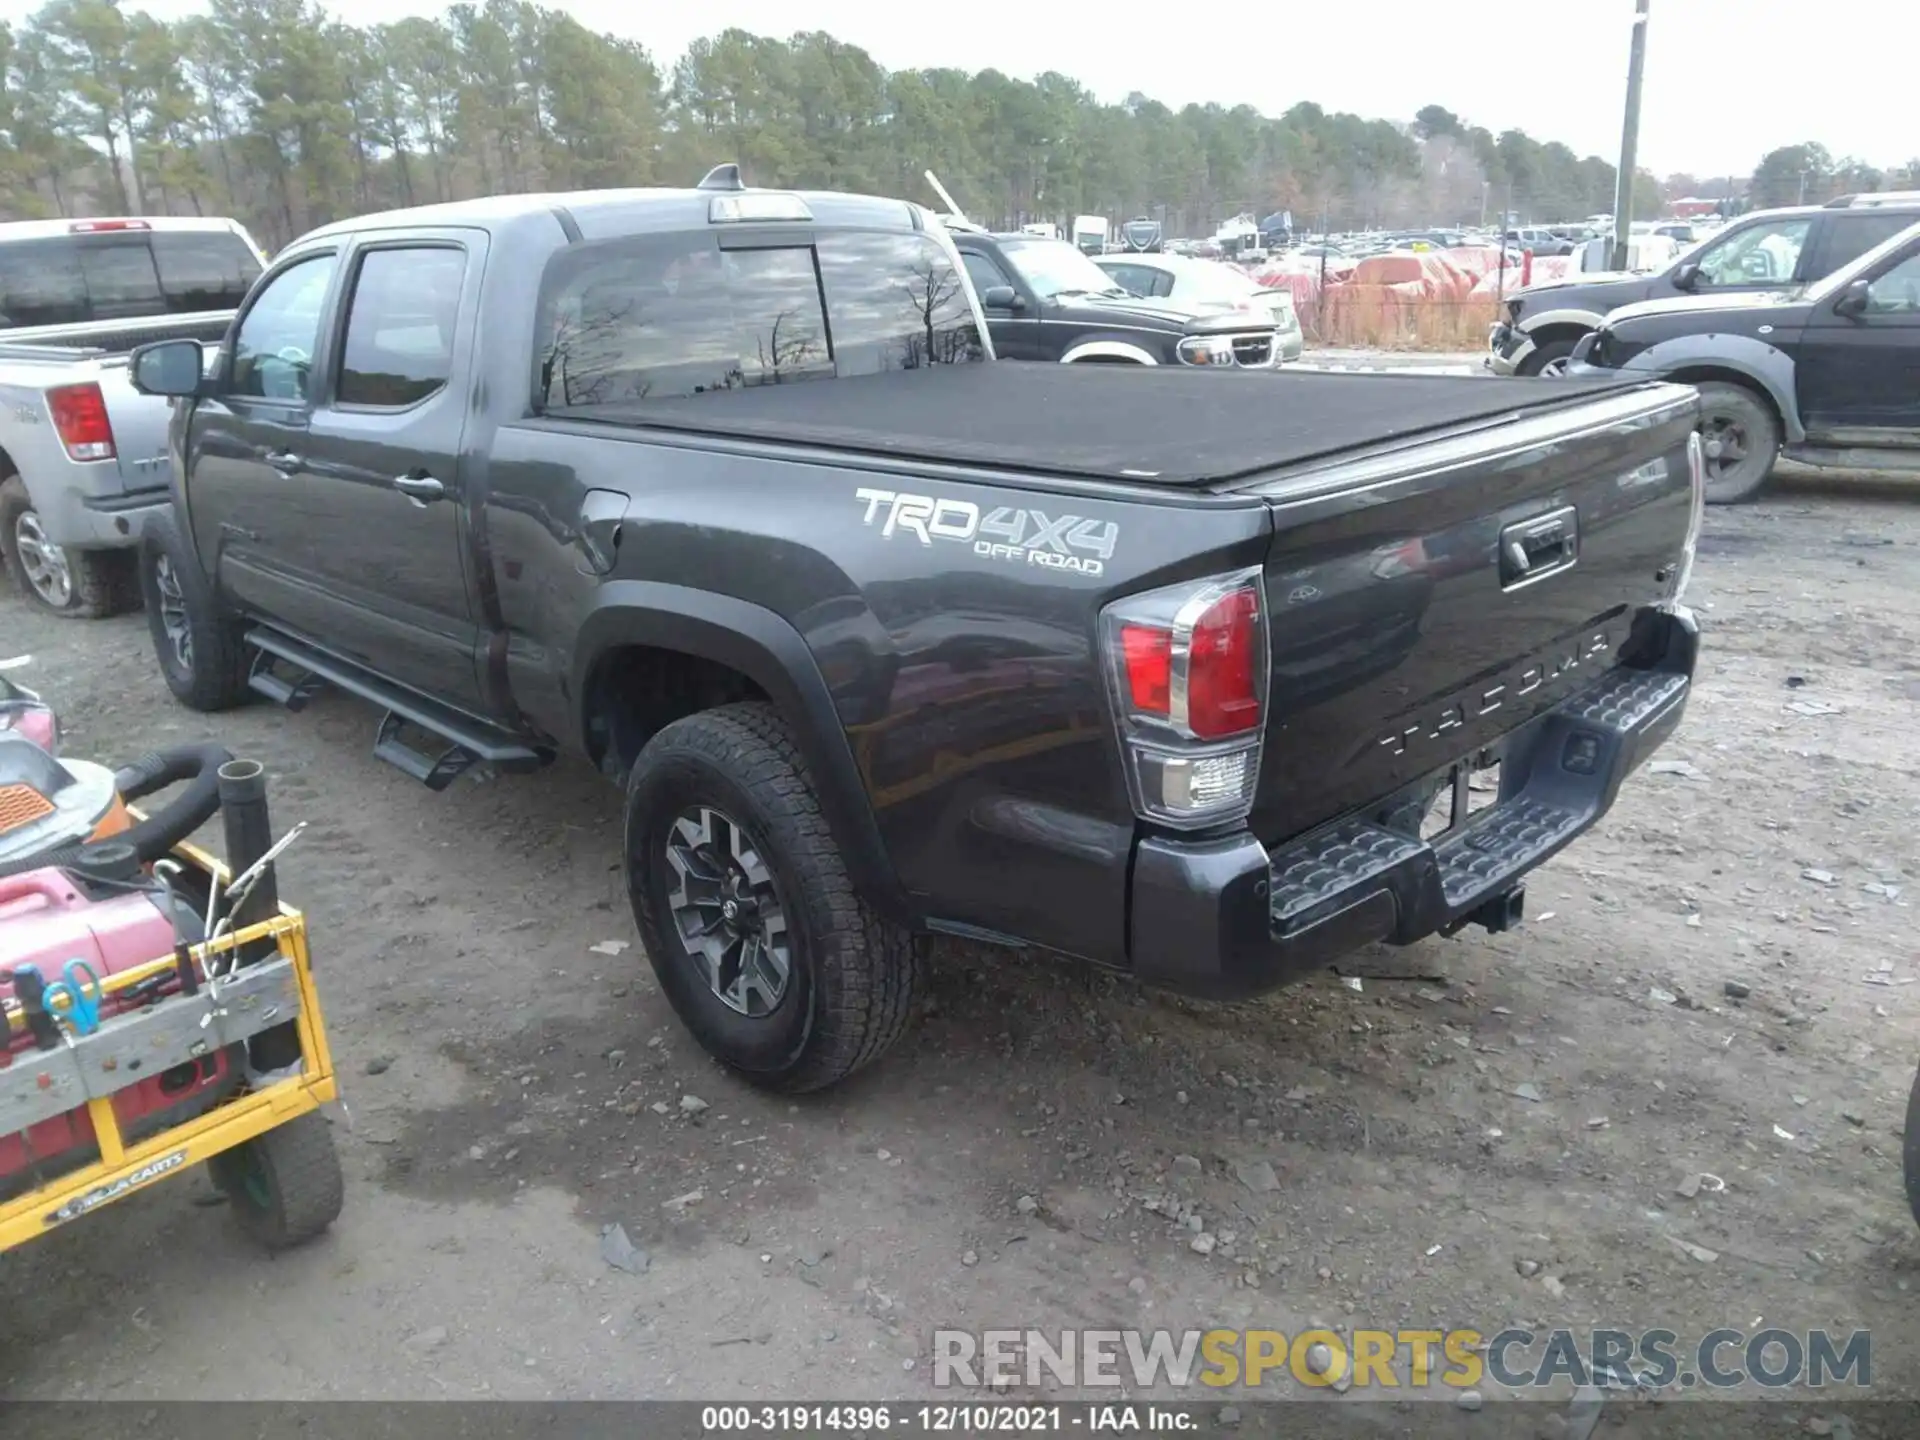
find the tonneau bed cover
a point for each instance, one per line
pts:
(1104, 422)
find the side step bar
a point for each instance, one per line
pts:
(463, 740)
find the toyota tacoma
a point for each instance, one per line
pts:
(1207, 677)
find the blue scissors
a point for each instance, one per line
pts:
(81, 989)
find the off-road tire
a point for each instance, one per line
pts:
(100, 582)
(1741, 406)
(214, 674)
(1910, 1149)
(852, 973)
(284, 1187)
(1544, 355)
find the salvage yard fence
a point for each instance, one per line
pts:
(1405, 300)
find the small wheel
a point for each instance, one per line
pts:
(199, 646)
(1741, 436)
(82, 584)
(1910, 1150)
(285, 1186)
(749, 917)
(1549, 359)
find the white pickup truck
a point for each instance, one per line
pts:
(83, 458)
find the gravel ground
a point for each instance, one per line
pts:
(1486, 1129)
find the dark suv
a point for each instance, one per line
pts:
(1044, 300)
(1762, 251)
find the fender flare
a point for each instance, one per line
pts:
(1108, 350)
(769, 651)
(1763, 365)
(1585, 319)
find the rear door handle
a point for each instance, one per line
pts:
(286, 462)
(422, 488)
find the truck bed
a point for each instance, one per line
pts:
(1104, 422)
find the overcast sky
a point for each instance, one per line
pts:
(1727, 80)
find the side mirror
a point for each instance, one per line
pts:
(1687, 277)
(1854, 299)
(168, 367)
(1002, 297)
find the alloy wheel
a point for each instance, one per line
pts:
(727, 912)
(44, 562)
(173, 611)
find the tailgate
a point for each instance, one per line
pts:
(1426, 601)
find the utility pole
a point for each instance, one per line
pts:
(1629, 140)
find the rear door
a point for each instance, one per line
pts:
(1861, 373)
(380, 497)
(247, 445)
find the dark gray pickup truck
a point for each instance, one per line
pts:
(1204, 675)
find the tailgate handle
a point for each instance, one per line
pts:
(1533, 549)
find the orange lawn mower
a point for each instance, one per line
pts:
(159, 1006)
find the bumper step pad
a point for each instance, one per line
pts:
(1573, 759)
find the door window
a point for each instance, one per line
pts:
(1898, 291)
(273, 351)
(399, 346)
(1134, 279)
(1766, 254)
(982, 271)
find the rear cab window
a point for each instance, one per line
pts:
(128, 275)
(668, 316)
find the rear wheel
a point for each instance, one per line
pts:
(198, 644)
(83, 584)
(749, 917)
(1741, 438)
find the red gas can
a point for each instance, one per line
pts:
(46, 919)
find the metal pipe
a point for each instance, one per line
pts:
(249, 835)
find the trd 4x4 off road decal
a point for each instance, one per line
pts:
(1022, 537)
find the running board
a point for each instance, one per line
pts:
(464, 740)
(264, 678)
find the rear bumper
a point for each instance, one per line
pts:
(1226, 918)
(89, 512)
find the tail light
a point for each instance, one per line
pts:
(101, 227)
(79, 414)
(1187, 669)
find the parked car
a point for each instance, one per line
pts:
(883, 637)
(1827, 374)
(1758, 252)
(83, 459)
(1045, 300)
(1208, 285)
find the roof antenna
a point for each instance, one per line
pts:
(723, 177)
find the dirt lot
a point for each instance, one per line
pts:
(1525, 1103)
